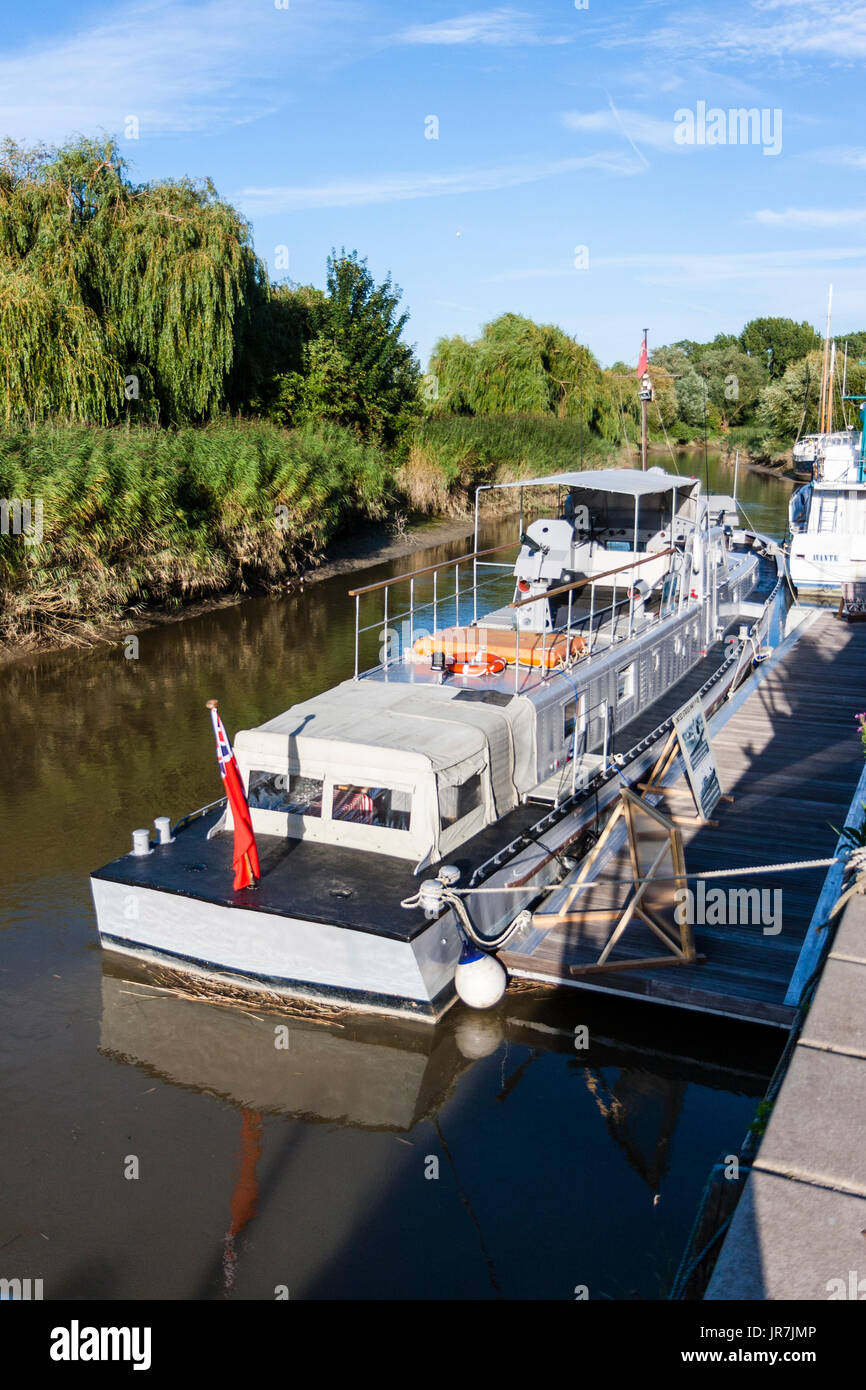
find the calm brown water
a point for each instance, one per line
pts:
(306, 1166)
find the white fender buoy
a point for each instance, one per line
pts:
(479, 979)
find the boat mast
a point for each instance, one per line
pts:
(822, 422)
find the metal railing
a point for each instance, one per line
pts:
(557, 643)
(414, 610)
(568, 806)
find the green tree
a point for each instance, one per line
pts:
(521, 367)
(791, 406)
(856, 346)
(347, 361)
(692, 398)
(777, 342)
(671, 359)
(117, 298)
(734, 381)
(362, 322)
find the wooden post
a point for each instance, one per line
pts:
(643, 433)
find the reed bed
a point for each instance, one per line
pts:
(137, 518)
(134, 518)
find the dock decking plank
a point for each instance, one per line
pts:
(790, 758)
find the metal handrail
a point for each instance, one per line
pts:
(429, 569)
(570, 803)
(420, 608)
(194, 815)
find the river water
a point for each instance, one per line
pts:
(156, 1147)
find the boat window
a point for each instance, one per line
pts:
(457, 802)
(287, 792)
(568, 719)
(670, 586)
(625, 683)
(386, 807)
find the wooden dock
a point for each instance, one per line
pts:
(787, 751)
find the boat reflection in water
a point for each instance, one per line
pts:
(481, 1094)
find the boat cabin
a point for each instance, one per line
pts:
(448, 735)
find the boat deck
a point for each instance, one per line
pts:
(787, 752)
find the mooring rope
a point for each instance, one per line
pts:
(854, 861)
(447, 895)
(794, 866)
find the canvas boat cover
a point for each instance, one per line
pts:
(420, 740)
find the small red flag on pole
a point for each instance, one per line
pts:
(245, 859)
(641, 362)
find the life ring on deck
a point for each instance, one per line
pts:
(478, 666)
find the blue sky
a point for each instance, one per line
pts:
(555, 131)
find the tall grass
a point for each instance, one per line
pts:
(136, 517)
(450, 455)
(140, 517)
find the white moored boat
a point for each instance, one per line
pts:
(827, 518)
(476, 752)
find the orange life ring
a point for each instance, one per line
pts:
(479, 666)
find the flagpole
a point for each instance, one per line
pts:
(236, 800)
(645, 397)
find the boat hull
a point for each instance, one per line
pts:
(279, 953)
(824, 562)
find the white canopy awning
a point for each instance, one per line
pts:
(631, 482)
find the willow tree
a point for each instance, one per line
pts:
(521, 367)
(119, 298)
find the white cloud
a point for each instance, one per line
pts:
(392, 188)
(701, 269)
(810, 217)
(783, 29)
(177, 67)
(849, 155)
(502, 28)
(636, 126)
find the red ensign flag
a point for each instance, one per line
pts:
(641, 362)
(245, 859)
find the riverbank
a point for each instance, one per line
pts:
(142, 528)
(375, 544)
